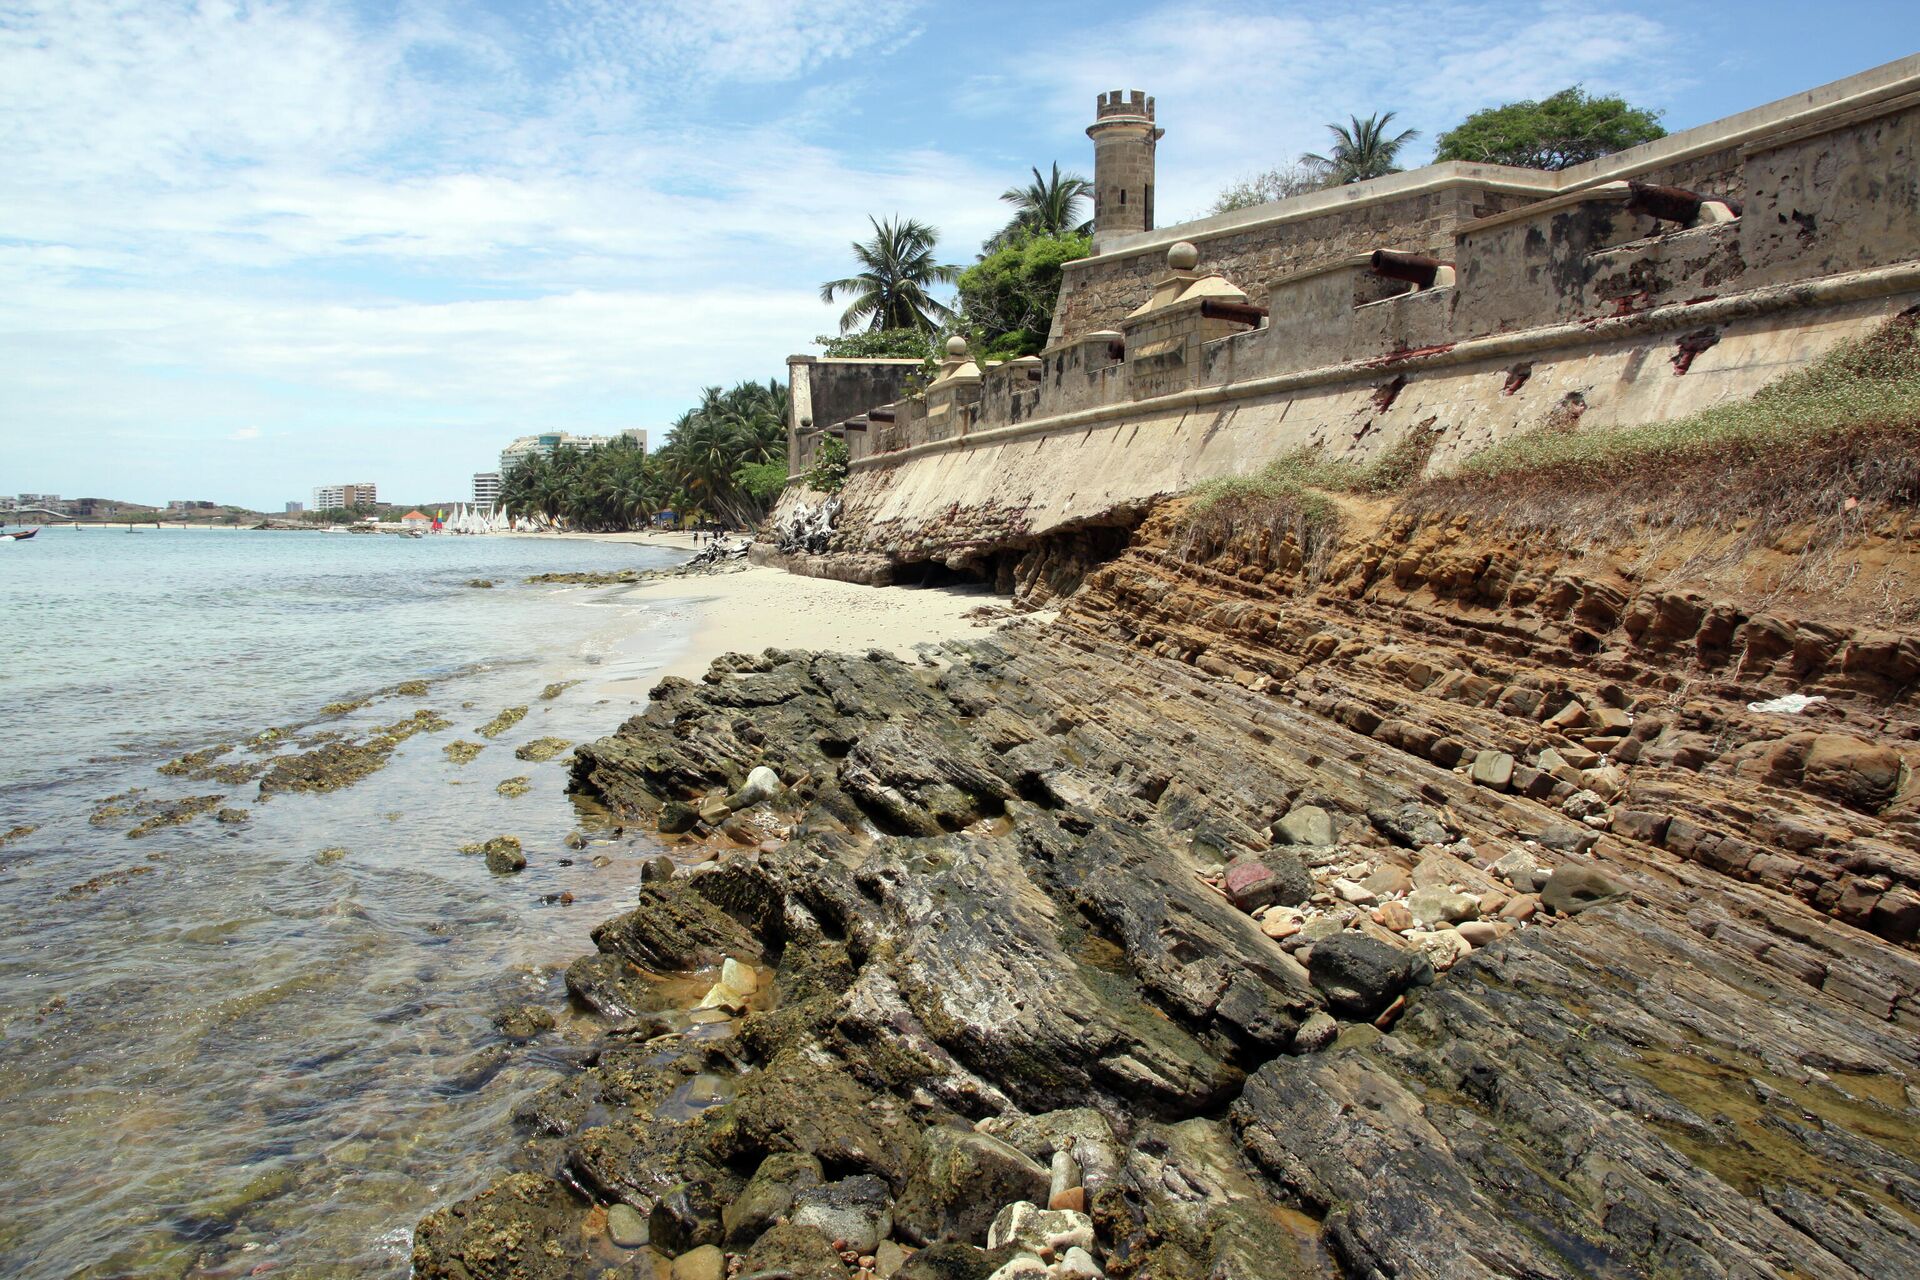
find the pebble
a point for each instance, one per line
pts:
(626, 1227)
(1394, 916)
(1479, 933)
(1521, 907)
(704, 1263)
(1356, 893)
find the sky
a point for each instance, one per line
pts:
(251, 248)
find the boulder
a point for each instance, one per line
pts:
(685, 1218)
(704, 1263)
(762, 784)
(853, 1210)
(1436, 905)
(626, 1226)
(1860, 774)
(797, 1253)
(1571, 890)
(1443, 948)
(1032, 1229)
(1306, 824)
(1394, 916)
(950, 1260)
(768, 1195)
(1493, 769)
(1360, 976)
(1316, 1033)
(959, 1182)
(657, 868)
(677, 818)
(1387, 879)
(1274, 879)
(1413, 825)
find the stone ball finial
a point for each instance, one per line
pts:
(957, 347)
(1182, 256)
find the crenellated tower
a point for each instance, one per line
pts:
(1123, 136)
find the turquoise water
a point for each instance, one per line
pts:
(220, 1052)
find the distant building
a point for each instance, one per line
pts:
(486, 486)
(295, 508)
(416, 520)
(39, 501)
(546, 442)
(334, 496)
(188, 504)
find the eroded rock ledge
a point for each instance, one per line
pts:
(994, 895)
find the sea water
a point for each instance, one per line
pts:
(266, 1045)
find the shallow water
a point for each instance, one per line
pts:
(219, 1055)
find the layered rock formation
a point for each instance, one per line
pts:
(1445, 912)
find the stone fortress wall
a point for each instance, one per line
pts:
(1213, 347)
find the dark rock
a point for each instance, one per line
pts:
(1412, 825)
(953, 1260)
(657, 868)
(769, 1195)
(684, 1218)
(677, 818)
(794, 1252)
(1361, 975)
(960, 1180)
(502, 1234)
(524, 1021)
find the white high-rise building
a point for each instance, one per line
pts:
(486, 486)
(331, 497)
(547, 441)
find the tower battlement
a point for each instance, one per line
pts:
(1133, 102)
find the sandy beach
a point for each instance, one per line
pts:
(755, 608)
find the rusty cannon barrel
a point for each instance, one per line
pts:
(1417, 269)
(1677, 204)
(880, 415)
(1238, 312)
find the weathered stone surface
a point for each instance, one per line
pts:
(1361, 976)
(960, 1181)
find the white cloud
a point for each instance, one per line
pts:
(245, 433)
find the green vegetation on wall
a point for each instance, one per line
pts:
(1007, 298)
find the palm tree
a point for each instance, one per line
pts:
(1361, 150)
(1046, 206)
(891, 291)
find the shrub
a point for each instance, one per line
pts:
(828, 474)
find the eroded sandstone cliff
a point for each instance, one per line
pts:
(1449, 904)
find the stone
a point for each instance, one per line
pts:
(1582, 805)
(796, 1253)
(1073, 1198)
(1520, 907)
(1315, 1033)
(1394, 916)
(1027, 1226)
(1360, 976)
(1412, 825)
(504, 856)
(626, 1227)
(1388, 879)
(735, 976)
(704, 1263)
(888, 1259)
(1607, 782)
(1307, 824)
(1571, 890)
(1435, 905)
(715, 810)
(1555, 766)
(961, 1180)
(1063, 1175)
(523, 1021)
(762, 784)
(657, 868)
(1350, 891)
(948, 1260)
(1443, 948)
(1514, 863)
(1493, 769)
(685, 1218)
(1860, 774)
(1479, 933)
(768, 1195)
(677, 818)
(1280, 922)
(854, 1210)
(1275, 879)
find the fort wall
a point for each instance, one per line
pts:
(1586, 306)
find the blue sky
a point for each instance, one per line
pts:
(250, 248)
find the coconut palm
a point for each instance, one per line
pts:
(891, 290)
(1361, 150)
(1046, 206)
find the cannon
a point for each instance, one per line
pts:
(1238, 312)
(1417, 269)
(1677, 204)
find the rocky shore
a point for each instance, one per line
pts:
(1452, 912)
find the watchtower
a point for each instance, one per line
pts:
(1123, 136)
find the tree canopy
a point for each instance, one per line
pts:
(1048, 206)
(720, 461)
(891, 291)
(1566, 129)
(1362, 149)
(1280, 183)
(1007, 298)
